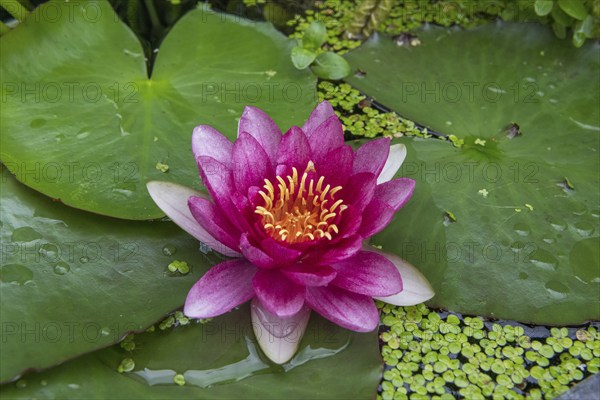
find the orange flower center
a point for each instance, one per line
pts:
(300, 210)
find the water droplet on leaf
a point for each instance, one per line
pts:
(169, 250)
(543, 259)
(558, 224)
(25, 234)
(584, 229)
(15, 273)
(557, 289)
(522, 229)
(585, 258)
(61, 268)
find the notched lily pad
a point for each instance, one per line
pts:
(73, 282)
(218, 360)
(525, 108)
(82, 122)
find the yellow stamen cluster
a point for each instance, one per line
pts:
(298, 211)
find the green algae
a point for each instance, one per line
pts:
(441, 355)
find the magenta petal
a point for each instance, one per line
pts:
(223, 287)
(319, 115)
(310, 275)
(219, 182)
(208, 142)
(336, 167)
(282, 254)
(343, 249)
(350, 222)
(277, 293)
(376, 216)
(326, 137)
(255, 255)
(359, 190)
(368, 273)
(371, 156)
(211, 219)
(172, 199)
(395, 193)
(258, 124)
(251, 165)
(350, 310)
(294, 151)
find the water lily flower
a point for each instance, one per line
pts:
(294, 212)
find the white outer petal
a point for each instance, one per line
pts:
(415, 287)
(279, 338)
(172, 199)
(393, 163)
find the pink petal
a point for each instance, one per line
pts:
(211, 219)
(218, 180)
(376, 217)
(320, 114)
(251, 164)
(282, 254)
(416, 288)
(277, 293)
(359, 190)
(258, 124)
(336, 166)
(393, 163)
(294, 151)
(371, 156)
(368, 273)
(350, 310)
(279, 338)
(255, 255)
(343, 249)
(350, 221)
(223, 287)
(395, 193)
(326, 137)
(207, 141)
(310, 275)
(172, 199)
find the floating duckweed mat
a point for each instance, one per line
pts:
(442, 355)
(360, 118)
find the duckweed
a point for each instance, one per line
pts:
(127, 365)
(446, 356)
(179, 266)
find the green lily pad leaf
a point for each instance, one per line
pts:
(314, 36)
(543, 7)
(302, 57)
(330, 66)
(218, 360)
(73, 282)
(575, 8)
(82, 122)
(523, 187)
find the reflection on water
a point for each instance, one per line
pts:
(252, 365)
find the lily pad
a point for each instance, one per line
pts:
(82, 121)
(73, 282)
(507, 225)
(217, 360)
